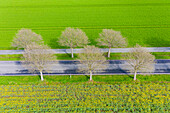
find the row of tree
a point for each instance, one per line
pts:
(72, 38)
(40, 57)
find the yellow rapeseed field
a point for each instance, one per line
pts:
(85, 98)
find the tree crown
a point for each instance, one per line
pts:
(25, 37)
(38, 57)
(111, 38)
(73, 38)
(140, 59)
(92, 59)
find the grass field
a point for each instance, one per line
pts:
(146, 22)
(85, 98)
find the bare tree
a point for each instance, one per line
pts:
(38, 58)
(92, 60)
(111, 38)
(25, 37)
(139, 59)
(73, 38)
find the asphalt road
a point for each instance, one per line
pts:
(113, 50)
(14, 68)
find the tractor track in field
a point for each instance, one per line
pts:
(88, 27)
(88, 5)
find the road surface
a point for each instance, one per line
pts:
(13, 68)
(113, 50)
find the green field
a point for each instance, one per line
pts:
(146, 22)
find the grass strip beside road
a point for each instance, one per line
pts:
(161, 55)
(113, 56)
(15, 57)
(99, 79)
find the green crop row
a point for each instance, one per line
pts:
(77, 2)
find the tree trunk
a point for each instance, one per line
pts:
(72, 56)
(41, 74)
(134, 76)
(109, 53)
(90, 76)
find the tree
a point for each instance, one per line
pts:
(139, 59)
(38, 58)
(25, 37)
(111, 38)
(73, 38)
(92, 60)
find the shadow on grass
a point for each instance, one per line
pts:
(54, 44)
(87, 76)
(131, 76)
(157, 42)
